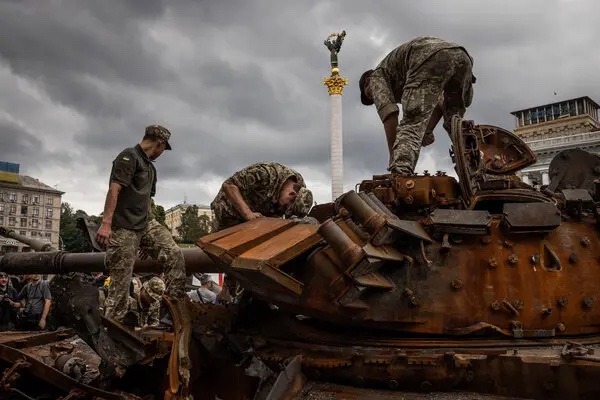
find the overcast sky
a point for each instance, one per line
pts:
(238, 82)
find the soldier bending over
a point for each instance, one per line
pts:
(128, 225)
(431, 78)
(262, 189)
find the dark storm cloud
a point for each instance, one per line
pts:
(239, 82)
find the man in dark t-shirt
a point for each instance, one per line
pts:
(35, 301)
(128, 224)
(8, 303)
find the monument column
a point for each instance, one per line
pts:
(335, 86)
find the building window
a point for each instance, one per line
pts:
(36, 211)
(12, 196)
(1, 219)
(1, 208)
(24, 210)
(49, 212)
(25, 198)
(34, 223)
(13, 209)
(50, 200)
(49, 224)
(36, 199)
(23, 233)
(1, 196)
(48, 236)
(12, 221)
(23, 222)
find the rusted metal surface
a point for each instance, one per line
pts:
(411, 283)
(21, 340)
(56, 262)
(531, 217)
(574, 169)
(24, 363)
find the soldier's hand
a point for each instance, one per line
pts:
(253, 215)
(103, 234)
(42, 324)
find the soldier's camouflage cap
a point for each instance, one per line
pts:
(302, 204)
(159, 132)
(155, 287)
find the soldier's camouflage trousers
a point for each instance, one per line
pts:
(121, 253)
(449, 72)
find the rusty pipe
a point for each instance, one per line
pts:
(368, 217)
(58, 262)
(348, 251)
(381, 206)
(35, 244)
(365, 197)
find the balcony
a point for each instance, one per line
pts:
(557, 144)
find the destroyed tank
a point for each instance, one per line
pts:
(430, 283)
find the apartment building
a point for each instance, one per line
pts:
(173, 216)
(29, 207)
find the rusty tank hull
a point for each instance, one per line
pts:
(427, 283)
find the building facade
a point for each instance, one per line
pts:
(551, 128)
(173, 216)
(29, 207)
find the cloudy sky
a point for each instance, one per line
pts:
(241, 81)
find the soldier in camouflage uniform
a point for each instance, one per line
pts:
(431, 78)
(144, 305)
(128, 225)
(262, 189)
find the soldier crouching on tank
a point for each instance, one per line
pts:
(128, 225)
(431, 78)
(260, 190)
(144, 304)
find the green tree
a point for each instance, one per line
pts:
(159, 213)
(71, 238)
(193, 226)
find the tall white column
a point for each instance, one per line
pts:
(337, 157)
(335, 85)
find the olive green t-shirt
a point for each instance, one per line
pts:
(133, 170)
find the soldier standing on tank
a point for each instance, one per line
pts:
(128, 225)
(264, 189)
(431, 78)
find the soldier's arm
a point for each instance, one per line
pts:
(384, 100)
(249, 179)
(237, 200)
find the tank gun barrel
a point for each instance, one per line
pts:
(35, 244)
(59, 262)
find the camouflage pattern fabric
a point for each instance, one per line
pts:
(159, 132)
(120, 257)
(416, 74)
(302, 204)
(260, 185)
(144, 317)
(447, 72)
(150, 316)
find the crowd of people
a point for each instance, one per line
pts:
(27, 308)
